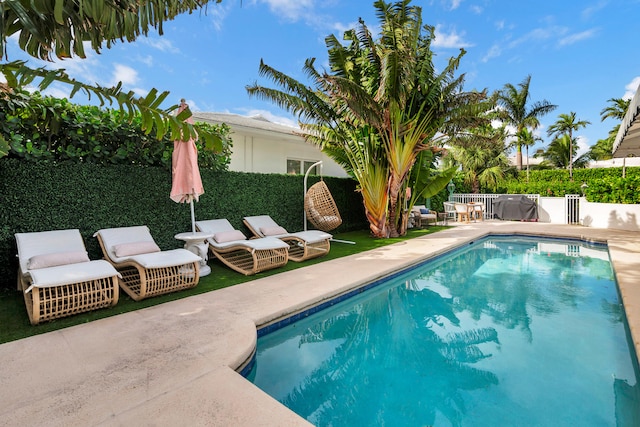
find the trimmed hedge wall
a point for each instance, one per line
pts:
(605, 185)
(44, 196)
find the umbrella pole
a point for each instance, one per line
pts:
(193, 218)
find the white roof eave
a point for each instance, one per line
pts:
(627, 142)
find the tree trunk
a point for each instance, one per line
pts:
(378, 226)
(519, 157)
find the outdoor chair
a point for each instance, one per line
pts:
(449, 211)
(58, 279)
(303, 245)
(477, 209)
(462, 209)
(422, 216)
(320, 207)
(244, 256)
(146, 270)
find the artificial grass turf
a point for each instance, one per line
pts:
(15, 322)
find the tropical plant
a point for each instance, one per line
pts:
(514, 111)
(528, 139)
(46, 128)
(560, 153)
(59, 29)
(566, 125)
(616, 110)
(481, 155)
(382, 104)
(603, 149)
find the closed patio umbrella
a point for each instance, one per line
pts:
(186, 181)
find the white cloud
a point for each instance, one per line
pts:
(499, 25)
(449, 40)
(140, 91)
(540, 34)
(583, 146)
(592, 10)
(476, 9)
(576, 37)
(162, 44)
(146, 60)
(57, 92)
(192, 105)
(493, 52)
(292, 10)
(455, 4)
(219, 14)
(631, 88)
(127, 75)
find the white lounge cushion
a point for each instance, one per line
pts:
(112, 237)
(262, 243)
(59, 258)
(273, 231)
(263, 222)
(312, 236)
(229, 236)
(47, 242)
(171, 258)
(135, 248)
(70, 273)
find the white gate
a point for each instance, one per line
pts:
(572, 208)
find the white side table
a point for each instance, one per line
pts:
(197, 243)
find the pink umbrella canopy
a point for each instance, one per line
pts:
(186, 181)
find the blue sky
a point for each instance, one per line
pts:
(579, 53)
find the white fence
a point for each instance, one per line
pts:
(487, 199)
(571, 209)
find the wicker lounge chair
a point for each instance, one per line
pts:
(303, 245)
(244, 256)
(146, 271)
(58, 279)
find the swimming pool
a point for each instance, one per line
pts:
(507, 331)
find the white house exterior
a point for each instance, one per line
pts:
(262, 146)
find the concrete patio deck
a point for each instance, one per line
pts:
(174, 364)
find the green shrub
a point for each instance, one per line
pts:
(45, 128)
(604, 185)
(45, 195)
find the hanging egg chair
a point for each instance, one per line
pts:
(320, 207)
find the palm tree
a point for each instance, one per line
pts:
(566, 125)
(560, 152)
(528, 140)
(602, 150)
(616, 110)
(514, 111)
(382, 105)
(481, 155)
(61, 28)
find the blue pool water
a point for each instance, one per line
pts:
(508, 331)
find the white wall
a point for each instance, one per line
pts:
(597, 215)
(262, 146)
(262, 153)
(552, 209)
(609, 215)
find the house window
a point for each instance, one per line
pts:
(299, 167)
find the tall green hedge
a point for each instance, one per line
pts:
(44, 196)
(604, 185)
